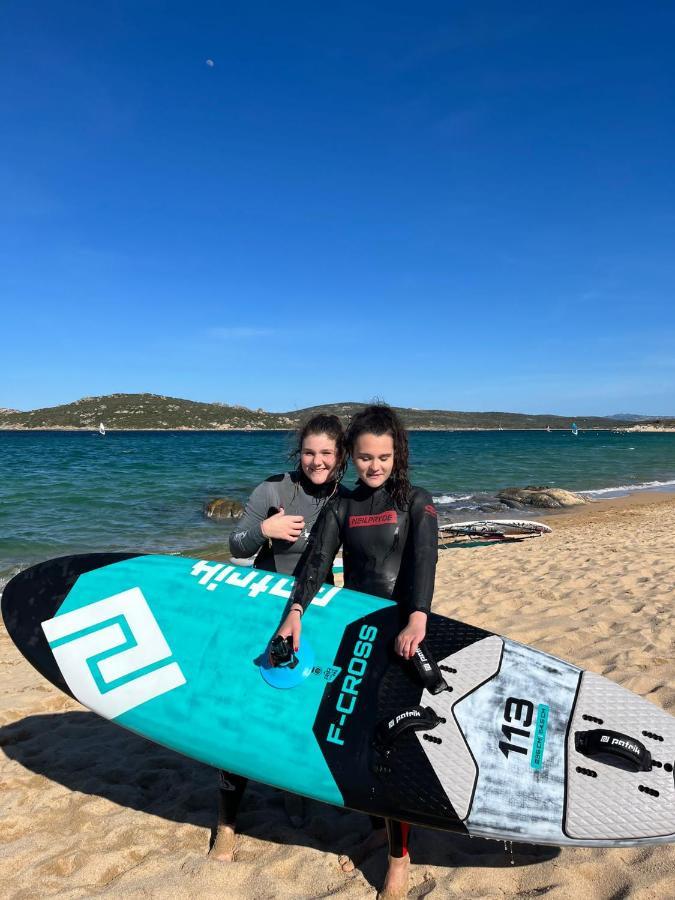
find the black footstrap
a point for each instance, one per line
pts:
(415, 718)
(427, 668)
(614, 748)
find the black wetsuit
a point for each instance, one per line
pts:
(389, 551)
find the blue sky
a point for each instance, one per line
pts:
(452, 205)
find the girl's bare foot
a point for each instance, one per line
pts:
(376, 839)
(224, 844)
(396, 881)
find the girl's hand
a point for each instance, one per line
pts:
(291, 627)
(412, 635)
(283, 527)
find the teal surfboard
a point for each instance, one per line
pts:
(483, 735)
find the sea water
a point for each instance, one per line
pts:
(74, 492)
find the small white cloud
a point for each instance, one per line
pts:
(210, 63)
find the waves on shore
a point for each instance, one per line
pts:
(64, 493)
(623, 489)
(451, 505)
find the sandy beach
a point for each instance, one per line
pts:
(90, 810)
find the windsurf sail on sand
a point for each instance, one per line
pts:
(496, 527)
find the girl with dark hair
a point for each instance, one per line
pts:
(275, 526)
(281, 511)
(389, 535)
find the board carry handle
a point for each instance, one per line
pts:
(600, 743)
(427, 668)
(415, 718)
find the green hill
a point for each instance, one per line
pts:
(442, 419)
(156, 412)
(140, 411)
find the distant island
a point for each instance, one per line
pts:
(153, 412)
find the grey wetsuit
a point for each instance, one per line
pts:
(296, 494)
(298, 497)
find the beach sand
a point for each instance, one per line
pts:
(90, 810)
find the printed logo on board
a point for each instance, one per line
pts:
(113, 654)
(255, 581)
(520, 739)
(329, 673)
(351, 683)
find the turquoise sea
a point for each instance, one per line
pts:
(71, 492)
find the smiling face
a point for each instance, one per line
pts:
(373, 458)
(318, 458)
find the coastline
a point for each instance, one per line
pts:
(70, 493)
(599, 509)
(91, 808)
(645, 429)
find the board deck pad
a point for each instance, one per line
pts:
(175, 650)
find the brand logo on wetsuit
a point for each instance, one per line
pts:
(386, 518)
(351, 683)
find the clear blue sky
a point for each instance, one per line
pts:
(463, 205)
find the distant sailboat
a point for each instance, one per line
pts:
(101, 429)
(575, 430)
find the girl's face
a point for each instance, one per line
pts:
(318, 458)
(373, 458)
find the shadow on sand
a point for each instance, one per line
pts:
(88, 754)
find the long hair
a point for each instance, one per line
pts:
(379, 419)
(331, 426)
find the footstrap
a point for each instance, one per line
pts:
(416, 718)
(427, 668)
(606, 746)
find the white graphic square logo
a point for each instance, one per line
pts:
(84, 642)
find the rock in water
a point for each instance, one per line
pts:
(543, 497)
(223, 508)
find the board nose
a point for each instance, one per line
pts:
(36, 594)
